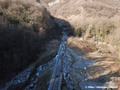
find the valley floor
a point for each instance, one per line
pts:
(103, 70)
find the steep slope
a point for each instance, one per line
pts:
(90, 7)
(96, 19)
(25, 27)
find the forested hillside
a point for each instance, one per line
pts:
(97, 19)
(59, 44)
(25, 27)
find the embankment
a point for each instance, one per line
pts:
(25, 29)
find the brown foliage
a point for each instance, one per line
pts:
(21, 39)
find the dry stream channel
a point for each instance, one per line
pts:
(75, 71)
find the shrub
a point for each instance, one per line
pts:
(21, 39)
